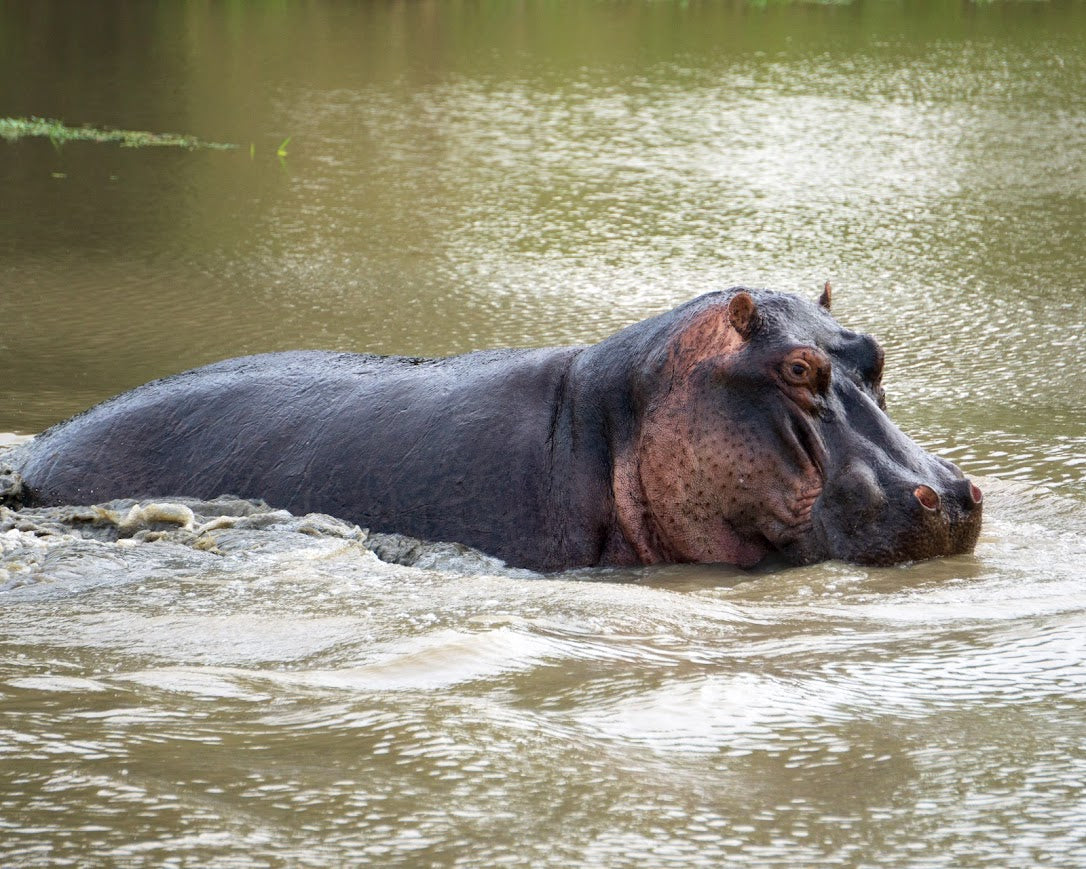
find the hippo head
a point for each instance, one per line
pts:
(763, 428)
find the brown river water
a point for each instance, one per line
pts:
(263, 690)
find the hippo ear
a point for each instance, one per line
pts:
(711, 333)
(827, 295)
(743, 315)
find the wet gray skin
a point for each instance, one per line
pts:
(817, 387)
(741, 423)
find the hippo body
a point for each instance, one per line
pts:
(741, 423)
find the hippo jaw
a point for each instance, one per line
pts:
(886, 500)
(767, 432)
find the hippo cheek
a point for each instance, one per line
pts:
(858, 498)
(716, 491)
(846, 508)
(693, 489)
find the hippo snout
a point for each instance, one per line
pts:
(950, 519)
(882, 517)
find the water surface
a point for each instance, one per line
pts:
(462, 176)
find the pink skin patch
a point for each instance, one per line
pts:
(928, 497)
(699, 486)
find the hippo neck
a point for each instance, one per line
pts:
(597, 427)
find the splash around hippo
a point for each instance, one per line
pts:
(741, 423)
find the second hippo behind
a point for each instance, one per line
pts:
(742, 423)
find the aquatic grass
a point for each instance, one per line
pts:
(59, 133)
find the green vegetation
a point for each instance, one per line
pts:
(59, 133)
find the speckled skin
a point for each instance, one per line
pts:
(741, 423)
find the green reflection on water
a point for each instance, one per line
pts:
(59, 133)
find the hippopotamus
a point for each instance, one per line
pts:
(740, 424)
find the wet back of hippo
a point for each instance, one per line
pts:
(740, 423)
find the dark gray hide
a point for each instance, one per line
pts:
(551, 458)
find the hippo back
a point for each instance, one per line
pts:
(438, 448)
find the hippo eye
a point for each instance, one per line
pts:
(806, 367)
(797, 372)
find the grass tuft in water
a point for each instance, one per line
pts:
(59, 133)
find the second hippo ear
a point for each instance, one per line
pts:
(743, 315)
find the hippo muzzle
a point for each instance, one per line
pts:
(885, 499)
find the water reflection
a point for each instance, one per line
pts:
(433, 210)
(464, 176)
(307, 703)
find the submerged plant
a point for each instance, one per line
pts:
(59, 133)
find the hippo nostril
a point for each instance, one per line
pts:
(975, 493)
(928, 497)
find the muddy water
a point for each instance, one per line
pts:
(253, 691)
